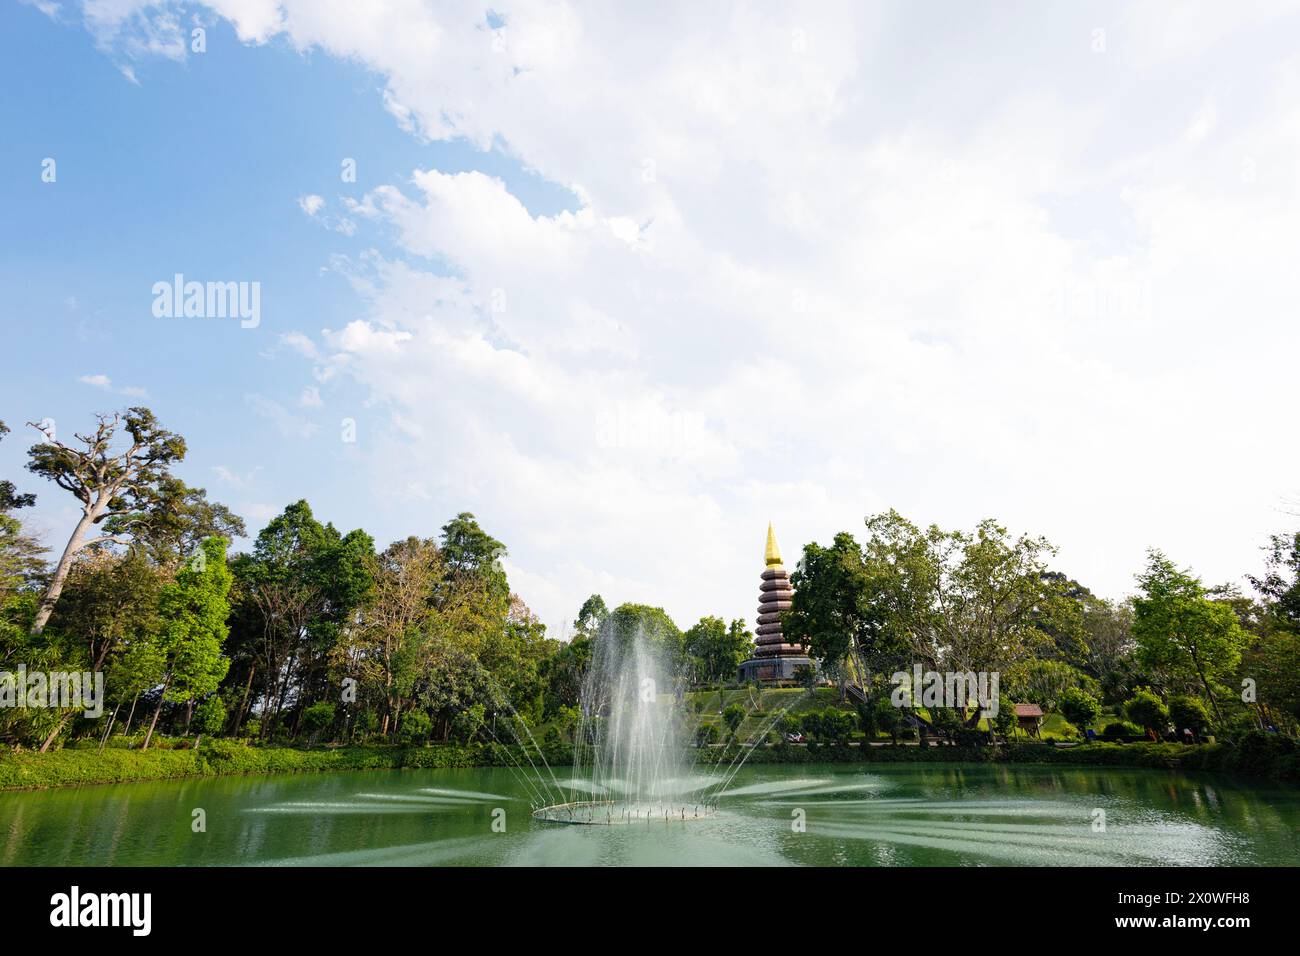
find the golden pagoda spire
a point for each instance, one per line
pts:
(772, 554)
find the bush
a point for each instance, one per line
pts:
(733, 717)
(318, 718)
(706, 734)
(1078, 707)
(1146, 710)
(830, 726)
(1121, 728)
(416, 727)
(210, 716)
(1188, 713)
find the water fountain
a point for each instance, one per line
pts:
(629, 740)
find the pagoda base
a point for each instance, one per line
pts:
(772, 670)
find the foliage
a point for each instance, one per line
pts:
(1079, 707)
(1147, 710)
(716, 648)
(1181, 632)
(733, 717)
(1188, 713)
(210, 716)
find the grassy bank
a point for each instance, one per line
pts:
(1262, 755)
(63, 768)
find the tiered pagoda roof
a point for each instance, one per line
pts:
(774, 596)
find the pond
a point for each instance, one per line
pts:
(832, 815)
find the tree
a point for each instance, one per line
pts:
(1188, 713)
(733, 717)
(406, 576)
(1280, 584)
(121, 486)
(888, 718)
(21, 555)
(959, 601)
(210, 716)
(194, 609)
(1043, 682)
(1179, 629)
(109, 601)
(832, 614)
(177, 522)
(1005, 721)
(626, 621)
(1079, 708)
(1109, 627)
(591, 616)
(1147, 710)
(10, 498)
(717, 648)
(299, 592)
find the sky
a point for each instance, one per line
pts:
(628, 282)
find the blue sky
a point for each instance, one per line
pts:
(629, 284)
(197, 169)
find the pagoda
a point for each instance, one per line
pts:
(774, 659)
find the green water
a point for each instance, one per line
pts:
(895, 815)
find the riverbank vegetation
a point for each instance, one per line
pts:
(313, 646)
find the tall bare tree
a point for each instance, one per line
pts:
(118, 486)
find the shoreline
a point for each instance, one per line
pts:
(1259, 756)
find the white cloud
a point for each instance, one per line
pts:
(311, 204)
(818, 267)
(284, 421)
(100, 380)
(234, 479)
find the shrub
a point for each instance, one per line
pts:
(415, 728)
(1121, 728)
(1145, 709)
(733, 717)
(210, 716)
(1078, 707)
(945, 721)
(1188, 712)
(1005, 722)
(706, 734)
(318, 718)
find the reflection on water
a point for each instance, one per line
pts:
(891, 815)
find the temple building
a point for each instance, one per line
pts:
(773, 659)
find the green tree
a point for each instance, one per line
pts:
(210, 715)
(1280, 583)
(1005, 721)
(193, 610)
(1043, 682)
(959, 601)
(718, 648)
(1188, 713)
(10, 498)
(176, 523)
(832, 614)
(1079, 707)
(1181, 630)
(318, 718)
(591, 616)
(626, 621)
(733, 717)
(1147, 710)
